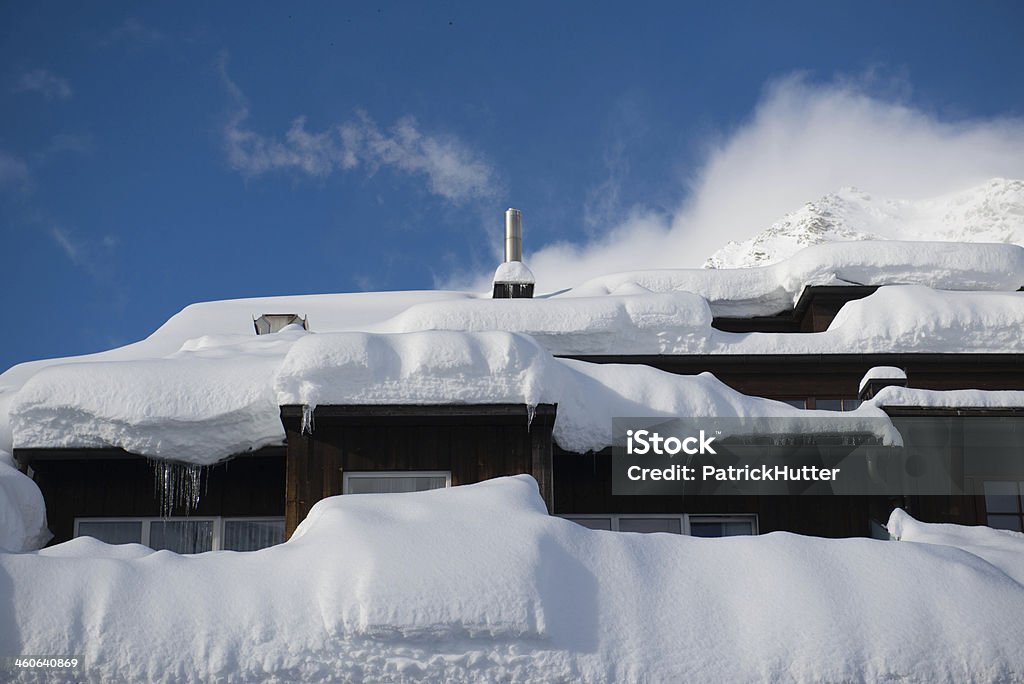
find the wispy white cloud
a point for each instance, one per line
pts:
(132, 31)
(91, 255)
(14, 171)
(47, 84)
(63, 239)
(450, 168)
(803, 140)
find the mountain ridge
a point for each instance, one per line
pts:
(990, 212)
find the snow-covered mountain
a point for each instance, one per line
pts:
(992, 212)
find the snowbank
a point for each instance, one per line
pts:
(771, 289)
(477, 583)
(1004, 549)
(22, 510)
(904, 396)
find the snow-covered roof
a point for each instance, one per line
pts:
(771, 289)
(479, 583)
(951, 399)
(881, 373)
(513, 272)
(220, 397)
(204, 367)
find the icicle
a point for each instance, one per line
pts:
(177, 485)
(307, 420)
(531, 411)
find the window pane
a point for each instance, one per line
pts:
(1001, 497)
(119, 532)
(369, 484)
(829, 404)
(181, 536)
(250, 535)
(851, 404)
(718, 528)
(1005, 522)
(796, 403)
(673, 525)
(593, 523)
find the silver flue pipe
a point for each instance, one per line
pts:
(513, 235)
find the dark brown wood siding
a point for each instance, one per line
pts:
(475, 443)
(80, 483)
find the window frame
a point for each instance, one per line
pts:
(684, 519)
(218, 522)
(346, 475)
(725, 518)
(1018, 500)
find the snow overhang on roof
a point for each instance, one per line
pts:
(205, 368)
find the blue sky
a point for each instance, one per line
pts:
(156, 155)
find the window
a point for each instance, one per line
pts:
(726, 525)
(722, 525)
(795, 403)
(111, 531)
(647, 525)
(832, 404)
(828, 404)
(372, 482)
(243, 534)
(1004, 504)
(186, 535)
(181, 536)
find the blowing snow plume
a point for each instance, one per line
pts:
(802, 141)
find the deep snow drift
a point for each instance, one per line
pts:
(22, 511)
(478, 583)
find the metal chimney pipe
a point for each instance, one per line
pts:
(513, 235)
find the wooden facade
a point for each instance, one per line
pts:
(473, 442)
(479, 442)
(99, 483)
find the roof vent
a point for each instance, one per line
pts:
(879, 377)
(272, 323)
(513, 280)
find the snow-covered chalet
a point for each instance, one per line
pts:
(226, 425)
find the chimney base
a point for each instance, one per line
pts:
(513, 291)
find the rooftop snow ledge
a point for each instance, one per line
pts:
(676, 322)
(513, 272)
(439, 367)
(969, 398)
(882, 373)
(771, 289)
